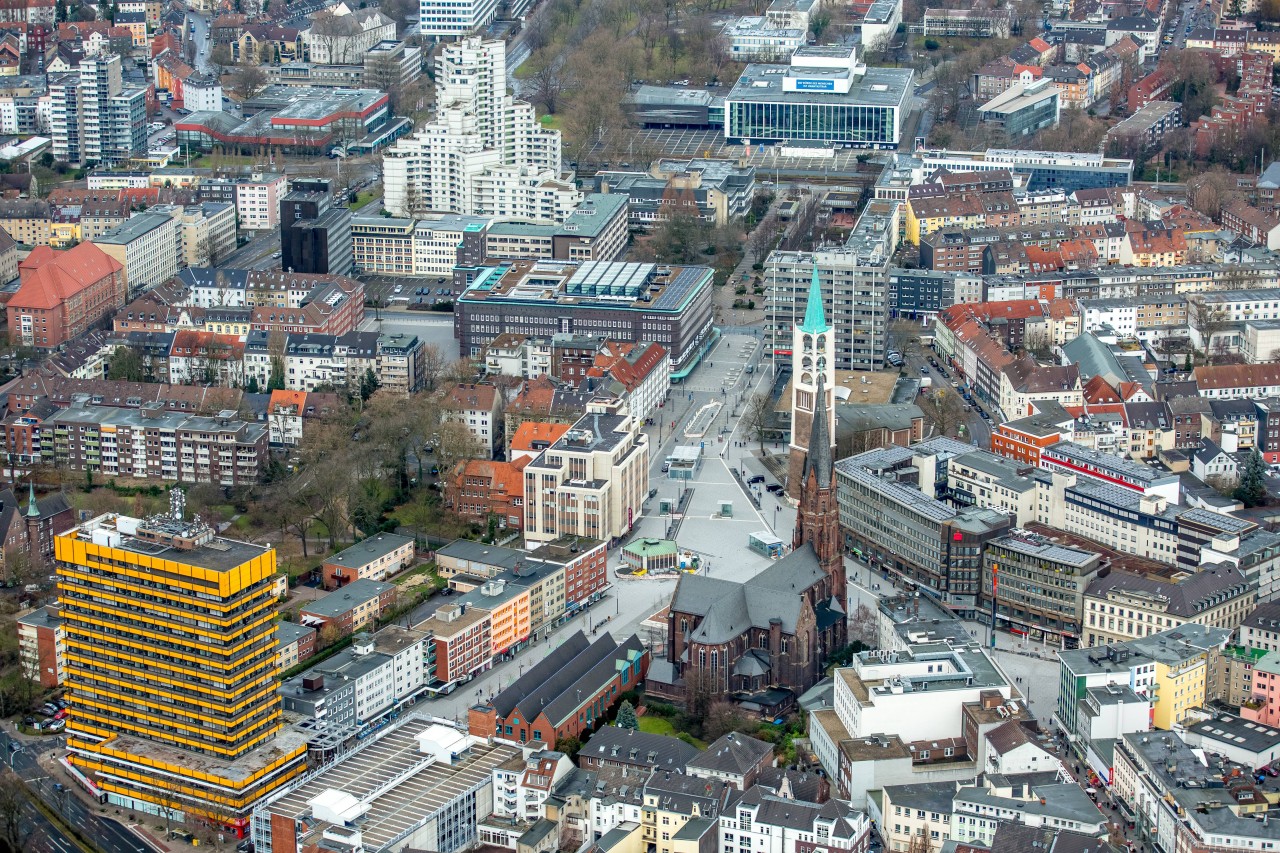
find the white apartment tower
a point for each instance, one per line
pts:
(484, 153)
(95, 117)
(455, 19)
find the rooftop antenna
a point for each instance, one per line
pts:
(177, 503)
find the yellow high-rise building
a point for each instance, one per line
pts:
(171, 667)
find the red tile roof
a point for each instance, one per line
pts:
(49, 278)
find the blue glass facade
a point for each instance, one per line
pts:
(840, 124)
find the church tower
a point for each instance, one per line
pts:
(813, 350)
(33, 524)
(817, 516)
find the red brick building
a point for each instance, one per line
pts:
(566, 694)
(480, 488)
(63, 294)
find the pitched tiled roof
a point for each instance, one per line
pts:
(544, 434)
(49, 278)
(1213, 377)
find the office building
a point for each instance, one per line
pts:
(825, 95)
(1023, 109)
(1173, 669)
(593, 481)
(720, 189)
(899, 527)
(484, 154)
(148, 246)
(1044, 169)
(315, 230)
(1035, 587)
(208, 233)
(968, 23)
(163, 719)
(1126, 605)
(627, 302)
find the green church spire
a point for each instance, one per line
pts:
(815, 320)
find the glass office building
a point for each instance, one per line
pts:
(834, 102)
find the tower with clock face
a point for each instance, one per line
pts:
(812, 355)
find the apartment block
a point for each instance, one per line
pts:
(42, 645)
(351, 608)
(152, 443)
(169, 719)
(1126, 605)
(375, 558)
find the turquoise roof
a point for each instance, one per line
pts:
(815, 320)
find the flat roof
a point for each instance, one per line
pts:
(392, 776)
(219, 555)
(133, 228)
(878, 87)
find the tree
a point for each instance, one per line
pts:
(247, 80)
(14, 829)
(756, 416)
(723, 717)
(433, 365)
(1252, 490)
(1208, 320)
(904, 336)
(681, 236)
(864, 626)
(627, 716)
(127, 364)
(456, 444)
(60, 11)
(329, 634)
(569, 745)
(942, 410)
(546, 86)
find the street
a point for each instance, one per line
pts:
(32, 761)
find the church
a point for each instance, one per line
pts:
(763, 642)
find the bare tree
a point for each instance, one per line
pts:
(903, 335)
(864, 626)
(942, 410)
(433, 365)
(546, 86)
(15, 832)
(1208, 320)
(756, 416)
(247, 80)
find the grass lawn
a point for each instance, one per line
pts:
(662, 726)
(363, 198)
(550, 122)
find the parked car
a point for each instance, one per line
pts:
(757, 478)
(774, 488)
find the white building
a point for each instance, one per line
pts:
(446, 19)
(592, 482)
(202, 93)
(148, 246)
(436, 241)
(476, 407)
(258, 200)
(484, 154)
(756, 39)
(764, 823)
(208, 233)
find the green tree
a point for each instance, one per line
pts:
(368, 384)
(60, 11)
(127, 364)
(627, 716)
(251, 386)
(568, 745)
(1252, 490)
